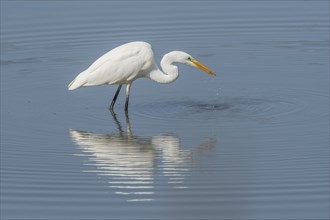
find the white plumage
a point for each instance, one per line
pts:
(118, 66)
(126, 63)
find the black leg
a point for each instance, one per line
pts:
(129, 130)
(115, 98)
(114, 116)
(128, 89)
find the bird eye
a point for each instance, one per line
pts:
(189, 58)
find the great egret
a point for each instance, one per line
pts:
(130, 61)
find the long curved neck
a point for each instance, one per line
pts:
(169, 72)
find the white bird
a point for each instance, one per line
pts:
(130, 61)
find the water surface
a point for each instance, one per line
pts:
(251, 143)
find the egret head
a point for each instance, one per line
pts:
(193, 62)
(183, 57)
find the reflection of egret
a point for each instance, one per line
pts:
(131, 161)
(128, 62)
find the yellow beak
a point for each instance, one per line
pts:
(202, 67)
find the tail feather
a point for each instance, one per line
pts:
(77, 82)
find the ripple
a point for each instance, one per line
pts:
(34, 32)
(130, 161)
(258, 151)
(282, 107)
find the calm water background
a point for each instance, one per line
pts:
(251, 143)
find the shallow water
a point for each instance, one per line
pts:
(251, 143)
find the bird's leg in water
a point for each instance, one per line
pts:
(115, 98)
(114, 116)
(128, 89)
(129, 130)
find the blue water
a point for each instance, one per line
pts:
(250, 143)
